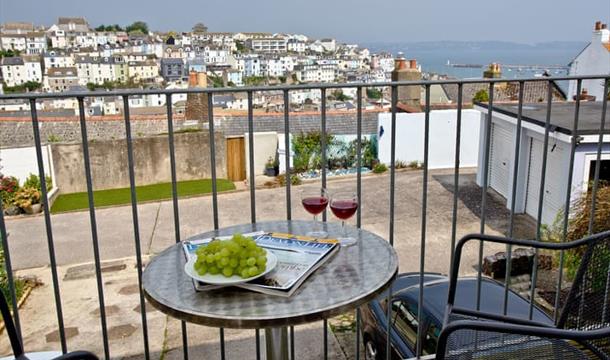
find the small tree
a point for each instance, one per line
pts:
(138, 26)
(481, 96)
(373, 93)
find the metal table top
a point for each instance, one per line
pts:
(352, 277)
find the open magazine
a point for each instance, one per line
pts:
(298, 257)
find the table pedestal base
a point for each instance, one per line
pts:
(276, 343)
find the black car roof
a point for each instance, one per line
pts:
(492, 297)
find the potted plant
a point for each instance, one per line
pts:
(271, 166)
(28, 199)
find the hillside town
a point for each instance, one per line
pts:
(72, 56)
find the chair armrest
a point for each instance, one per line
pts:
(77, 355)
(514, 329)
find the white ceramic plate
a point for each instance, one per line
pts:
(220, 279)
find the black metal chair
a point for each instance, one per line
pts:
(582, 329)
(17, 346)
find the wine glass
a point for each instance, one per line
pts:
(315, 201)
(344, 205)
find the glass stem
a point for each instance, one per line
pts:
(343, 228)
(316, 226)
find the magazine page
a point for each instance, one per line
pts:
(295, 259)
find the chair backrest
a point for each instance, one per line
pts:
(10, 327)
(587, 306)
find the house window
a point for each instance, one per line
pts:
(604, 170)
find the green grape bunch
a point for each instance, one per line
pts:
(238, 256)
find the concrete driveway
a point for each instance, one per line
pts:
(73, 239)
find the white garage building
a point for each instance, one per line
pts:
(502, 154)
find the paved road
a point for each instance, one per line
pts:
(73, 239)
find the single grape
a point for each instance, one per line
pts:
(233, 262)
(228, 272)
(224, 261)
(251, 261)
(213, 270)
(209, 258)
(245, 273)
(261, 261)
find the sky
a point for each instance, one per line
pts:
(523, 21)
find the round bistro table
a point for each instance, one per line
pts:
(352, 277)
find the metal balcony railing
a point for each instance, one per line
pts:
(393, 86)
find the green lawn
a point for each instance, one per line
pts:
(79, 201)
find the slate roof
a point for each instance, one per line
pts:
(534, 91)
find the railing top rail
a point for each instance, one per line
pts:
(312, 86)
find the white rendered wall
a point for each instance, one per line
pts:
(21, 162)
(410, 138)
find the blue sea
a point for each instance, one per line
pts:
(434, 56)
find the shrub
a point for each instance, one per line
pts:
(26, 197)
(307, 148)
(4, 284)
(399, 164)
(33, 181)
(294, 180)
(9, 185)
(380, 168)
(481, 96)
(578, 228)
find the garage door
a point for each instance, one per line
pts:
(499, 159)
(554, 187)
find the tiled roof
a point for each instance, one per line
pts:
(607, 45)
(73, 20)
(534, 91)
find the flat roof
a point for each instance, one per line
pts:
(562, 115)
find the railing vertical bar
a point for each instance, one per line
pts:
(325, 324)
(9, 272)
(251, 159)
(136, 224)
(388, 344)
(213, 159)
(323, 163)
(484, 189)
(393, 160)
(252, 191)
(547, 126)
(93, 223)
(48, 227)
(323, 144)
(566, 212)
(358, 192)
(359, 160)
(595, 188)
(598, 159)
(422, 253)
(257, 334)
(172, 163)
(221, 331)
(287, 154)
(511, 221)
(456, 172)
(292, 357)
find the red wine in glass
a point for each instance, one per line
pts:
(344, 209)
(315, 202)
(344, 206)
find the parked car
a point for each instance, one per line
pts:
(405, 298)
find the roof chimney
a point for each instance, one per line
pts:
(598, 25)
(413, 64)
(493, 71)
(192, 79)
(400, 62)
(604, 26)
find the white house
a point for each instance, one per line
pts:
(315, 73)
(13, 42)
(594, 59)
(13, 70)
(36, 43)
(270, 44)
(54, 58)
(502, 157)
